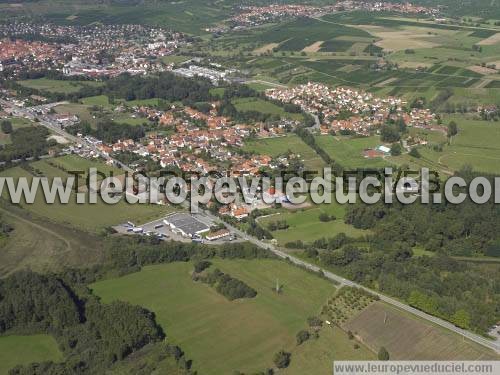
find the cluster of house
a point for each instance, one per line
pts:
(383, 6)
(202, 142)
(345, 109)
(94, 50)
(258, 15)
(15, 54)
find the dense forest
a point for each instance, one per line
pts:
(26, 142)
(90, 334)
(108, 131)
(165, 86)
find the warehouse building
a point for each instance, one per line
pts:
(186, 224)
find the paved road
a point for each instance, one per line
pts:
(273, 84)
(494, 345)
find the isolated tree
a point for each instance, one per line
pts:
(282, 359)
(452, 129)
(396, 149)
(383, 354)
(6, 127)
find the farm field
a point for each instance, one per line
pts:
(188, 16)
(299, 34)
(52, 85)
(208, 327)
(282, 145)
(16, 350)
(343, 48)
(89, 217)
(407, 337)
(306, 226)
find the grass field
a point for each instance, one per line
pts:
(349, 151)
(90, 217)
(80, 110)
(259, 105)
(16, 124)
(222, 336)
(306, 226)
(407, 337)
(100, 100)
(52, 85)
(318, 354)
(43, 246)
(282, 145)
(22, 350)
(476, 145)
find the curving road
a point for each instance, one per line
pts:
(494, 345)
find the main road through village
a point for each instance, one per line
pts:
(494, 345)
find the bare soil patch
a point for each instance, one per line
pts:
(266, 48)
(315, 47)
(492, 40)
(481, 69)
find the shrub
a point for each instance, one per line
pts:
(302, 336)
(201, 265)
(414, 152)
(383, 354)
(314, 321)
(282, 359)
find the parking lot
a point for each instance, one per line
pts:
(186, 226)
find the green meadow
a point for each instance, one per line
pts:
(305, 225)
(89, 217)
(23, 350)
(222, 336)
(17, 122)
(282, 145)
(349, 151)
(475, 145)
(52, 85)
(259, 105)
